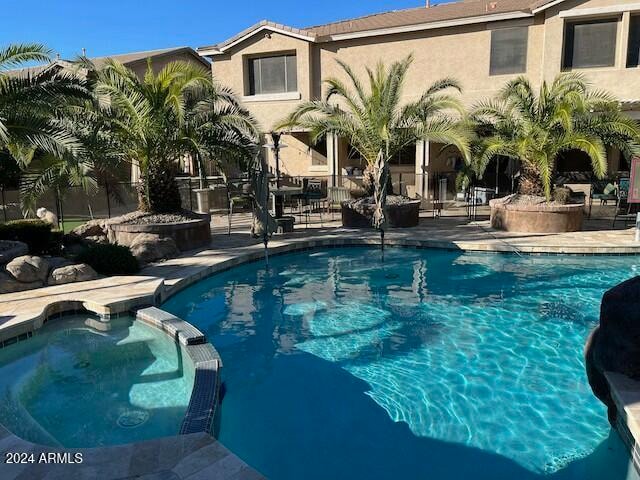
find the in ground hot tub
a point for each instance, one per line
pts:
(81, 382)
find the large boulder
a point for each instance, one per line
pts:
(28, 269)
(71, 273)
(92, 229)
(614, 346)
(147, 247)
(8, 284)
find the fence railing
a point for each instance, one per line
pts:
(75, 205)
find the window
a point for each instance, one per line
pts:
(633, 51)
(590, 43)
(508, 51)
(406, 156)
(273, 75)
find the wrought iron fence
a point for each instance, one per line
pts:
(75, 205)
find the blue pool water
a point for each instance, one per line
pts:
(75, 384)
(430, 365)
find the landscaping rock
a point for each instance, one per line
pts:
(10, 250)
(28, 268)
(72, 273)
(148, 248)
(614, 346)
(8, 284)
(93, 228)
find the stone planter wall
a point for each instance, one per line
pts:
(536, 218)
(187, 235)
(399, 216)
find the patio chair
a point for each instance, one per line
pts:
(602, 190)
(314, 197)
(624, 210)
(335, 197)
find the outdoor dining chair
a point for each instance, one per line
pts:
(335, 197)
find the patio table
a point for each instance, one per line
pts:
(279, 195)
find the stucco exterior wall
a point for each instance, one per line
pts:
(159, 63)
(623, 82)
(461, 52)
(231, 71)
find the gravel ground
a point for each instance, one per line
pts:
(529, 200)
(143, 218)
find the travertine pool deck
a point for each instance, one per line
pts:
(200, 456)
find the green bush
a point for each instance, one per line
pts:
(37, 234)
(108, 259)
(562, 195)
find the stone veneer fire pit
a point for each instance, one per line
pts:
(523, 217)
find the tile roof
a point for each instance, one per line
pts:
(420, 15)
(457, 10)
(125, 58)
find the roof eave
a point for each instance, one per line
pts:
(222, 48)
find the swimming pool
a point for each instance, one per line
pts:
(432, 364)
(80, 382)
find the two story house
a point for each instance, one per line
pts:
(481, 43)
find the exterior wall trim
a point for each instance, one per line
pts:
(546, 6)
(204, 52)
(272, 97)
(429, 26)
(585, 12)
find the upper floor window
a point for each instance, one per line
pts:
(276, 74)
(633, 51)
(590, 43)
(508, 51)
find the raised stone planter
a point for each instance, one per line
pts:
(187, 235)
(535, 218)
(402, 215)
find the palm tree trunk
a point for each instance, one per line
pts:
(530, 181)
(159, 189)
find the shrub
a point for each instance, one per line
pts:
(108, 259)
(37, 234)
(562, 195)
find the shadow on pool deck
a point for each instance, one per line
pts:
(302, 391)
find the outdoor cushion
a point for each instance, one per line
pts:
(609, 189)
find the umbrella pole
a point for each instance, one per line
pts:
(266, 250)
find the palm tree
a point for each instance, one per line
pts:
(536, 128)
(34, 107)
(376, 120)
(165, 117)
(378, 124)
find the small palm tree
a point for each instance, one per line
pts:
(536, 128)
(376, 120)
(163, 118)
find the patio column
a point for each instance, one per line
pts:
(423, 151)
(332, 160)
